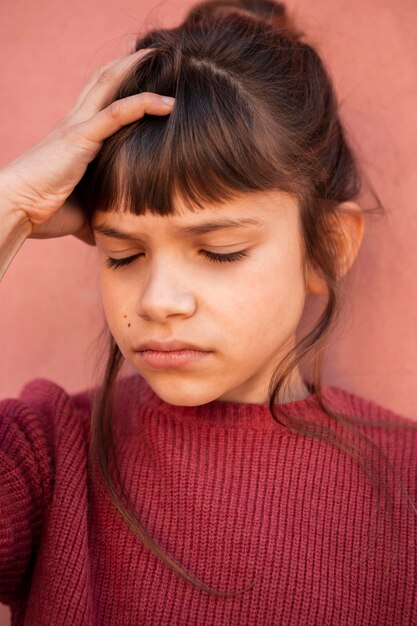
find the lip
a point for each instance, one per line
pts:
(168, 346)
(172, 359)
(170, 354)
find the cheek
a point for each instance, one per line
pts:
(269, 304)
(115, 303)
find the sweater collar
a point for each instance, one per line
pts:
(229, 414)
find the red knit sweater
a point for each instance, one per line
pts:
(225, 490)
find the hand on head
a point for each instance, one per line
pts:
(39, 183)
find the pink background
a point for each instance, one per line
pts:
(50, 310)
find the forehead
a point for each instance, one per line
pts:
(254, 210)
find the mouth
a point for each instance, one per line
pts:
(171, 359)
(168, 346)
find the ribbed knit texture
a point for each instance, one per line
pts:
(227, 491)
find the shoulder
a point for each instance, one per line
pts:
(369, 410)
(44, 411)
(53, 407)
(391, 431)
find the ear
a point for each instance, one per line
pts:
(347, 226)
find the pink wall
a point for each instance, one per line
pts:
(50, 306)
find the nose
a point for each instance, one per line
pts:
(165, 293)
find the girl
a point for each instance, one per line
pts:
(215, 485)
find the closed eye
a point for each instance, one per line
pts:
(230, 257)
(115, 263)
(222, 258)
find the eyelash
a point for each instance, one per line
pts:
(214, 258)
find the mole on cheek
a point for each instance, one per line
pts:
(129, 325)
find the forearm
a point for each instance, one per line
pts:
(14, 229)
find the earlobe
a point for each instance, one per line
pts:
(351, 229)
(315, 284)
(347, 228)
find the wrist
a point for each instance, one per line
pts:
(15, 228)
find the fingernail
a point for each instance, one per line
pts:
(168, 100)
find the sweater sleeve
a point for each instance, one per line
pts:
(26, 476)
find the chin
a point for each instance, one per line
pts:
(187, 397)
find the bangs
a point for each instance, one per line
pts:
(214, 146)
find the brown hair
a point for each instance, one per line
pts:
(255, 110)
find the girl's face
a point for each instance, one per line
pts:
(243, 313)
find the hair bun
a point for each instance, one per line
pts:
(269, 11)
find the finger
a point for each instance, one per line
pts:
(122, 112)
(67, 220)
(102, 84)
(104, 70)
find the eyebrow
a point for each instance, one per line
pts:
(198, 229)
